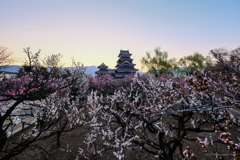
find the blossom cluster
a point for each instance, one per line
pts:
(204, 144)
(188, 154)
(198, 82)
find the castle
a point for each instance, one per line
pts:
(124, 66)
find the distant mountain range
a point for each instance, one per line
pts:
(90, 70)
(10, 68)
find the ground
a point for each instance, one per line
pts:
(71, 141)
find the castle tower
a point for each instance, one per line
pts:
(124, 65)
(102, 69)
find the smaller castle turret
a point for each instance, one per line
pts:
(102, 69)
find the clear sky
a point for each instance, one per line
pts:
(94, 31)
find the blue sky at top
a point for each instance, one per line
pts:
(94, 31)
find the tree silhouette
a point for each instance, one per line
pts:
(26, 69)
(193, 62)
(4, 56)
(159, 64)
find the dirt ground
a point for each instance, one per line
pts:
(71, 141)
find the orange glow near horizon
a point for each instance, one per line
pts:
(95, 32)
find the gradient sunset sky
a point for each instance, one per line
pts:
(94, 31)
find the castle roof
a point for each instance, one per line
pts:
(102, 66)
(125, 63)
(124, 58)
(124, 53)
